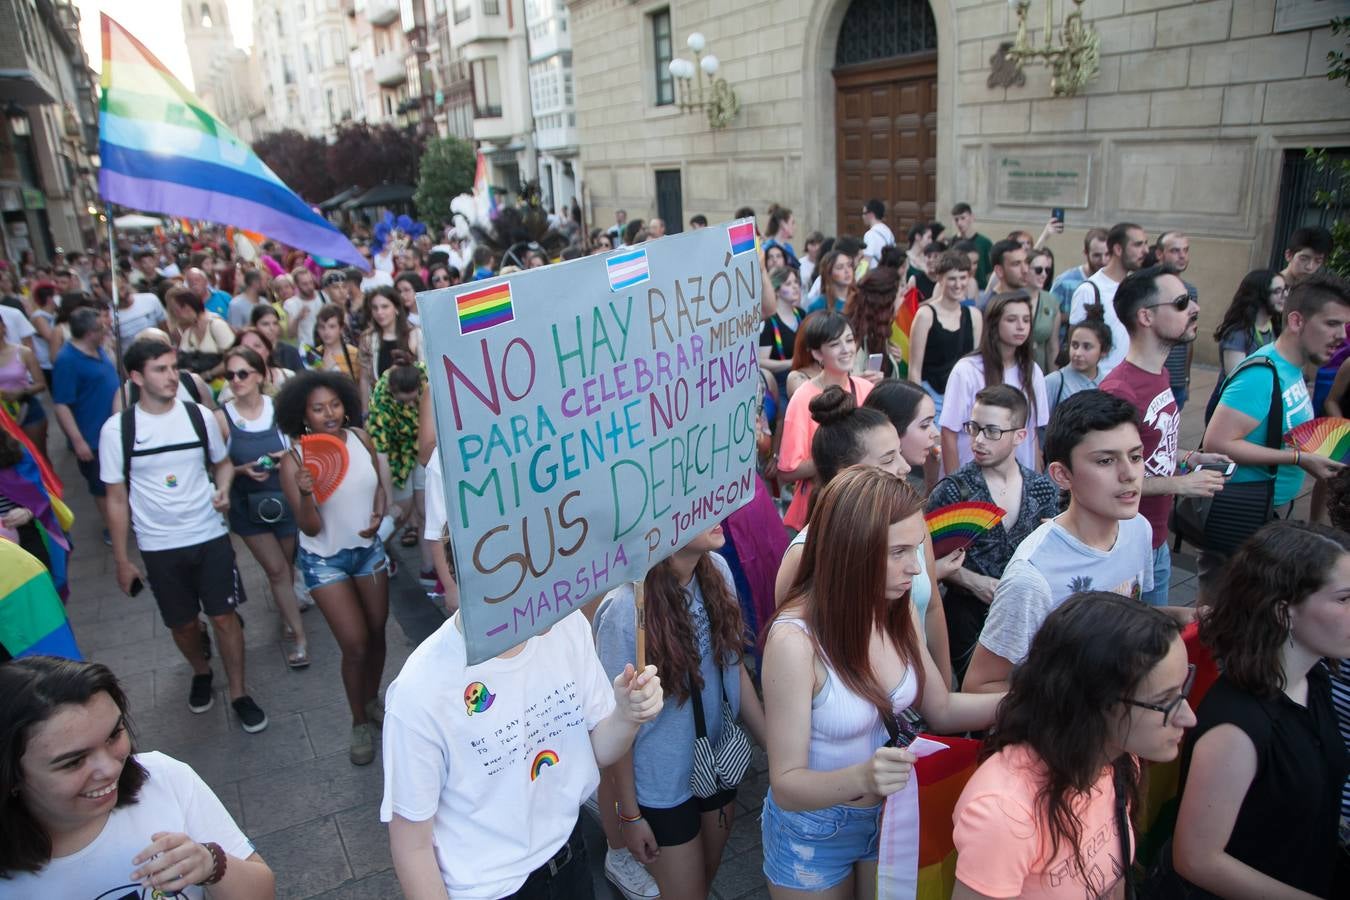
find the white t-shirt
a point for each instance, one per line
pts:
(173, 799)
(144, 312)
(376, 278)
(17, 326)
(295, 308)
(170, 492)
(1120, 338)
(1051, 564)
(503, 773)
(434, 522)
(966, 380)
(877, 238)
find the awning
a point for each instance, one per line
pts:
(135, 221)
(382, 195)
(337, 200)
(23, 87)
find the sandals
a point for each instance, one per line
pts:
(298, 657)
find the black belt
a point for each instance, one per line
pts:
(560, 860)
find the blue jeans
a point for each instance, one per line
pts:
(320, 571)
(815, 850)
(1162, 575)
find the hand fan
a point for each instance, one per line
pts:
(956, 525)
(325, 456)
(1329, 437)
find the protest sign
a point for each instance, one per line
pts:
(592, 417)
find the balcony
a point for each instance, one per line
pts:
(390, 70)
(382, 12)
(482, 20)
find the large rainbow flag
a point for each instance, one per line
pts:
(32, 620)
(161, 151)
(903, 326)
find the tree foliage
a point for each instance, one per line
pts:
(365, 156)
(447, 170)
(299, 161)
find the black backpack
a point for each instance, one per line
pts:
(129, 441)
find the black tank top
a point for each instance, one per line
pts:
(943, 348)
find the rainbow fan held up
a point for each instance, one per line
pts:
(956, 525)
(1327, 436)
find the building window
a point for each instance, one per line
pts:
(661, 56)
(463, 9)
(492, 8)
(487, 96)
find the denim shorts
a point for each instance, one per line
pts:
(815, 850)
(320, 571)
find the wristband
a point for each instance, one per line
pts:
(218, 867)
(625, 820)
(305, 493)
(1298, 456)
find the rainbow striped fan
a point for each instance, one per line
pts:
(1329, 437)
(325, 456)
(956, 525)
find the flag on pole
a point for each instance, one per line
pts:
(161, 151)
(903, 326)
(483, 199)
(32, 619)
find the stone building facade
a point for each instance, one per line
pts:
(1200, 113)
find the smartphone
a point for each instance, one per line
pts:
(1226, 469)
(874, 362)
(136, 587)
(1057, 213)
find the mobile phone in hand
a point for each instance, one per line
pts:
(1057, 213)
(136, 587)
(1226, 469)
(874, 362)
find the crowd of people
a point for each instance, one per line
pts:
(192, 385)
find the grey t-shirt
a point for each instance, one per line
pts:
(1062, 384)
(663, 752)
(1049, 566)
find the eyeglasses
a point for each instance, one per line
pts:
(1180, 304)
(1168, 708)
(1040, 270)
(991, 432)
(238, 374)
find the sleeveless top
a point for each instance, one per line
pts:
(14, 374)
(41, 348)
(247, 446)
(347, 512)
(847, 729)
(943, 348)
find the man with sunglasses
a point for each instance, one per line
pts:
(1159, 314)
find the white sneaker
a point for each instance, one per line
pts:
(629, 876)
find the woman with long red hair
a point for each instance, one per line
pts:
(695, 634)
(842, 662)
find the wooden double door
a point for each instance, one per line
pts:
(886, 141)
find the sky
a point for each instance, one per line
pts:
(158, 24)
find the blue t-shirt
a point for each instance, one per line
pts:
(219, 303)
(663, 752)
(87, 385)
(1249, 394)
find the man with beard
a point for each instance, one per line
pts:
(1126, 246)
(1159, 313)
(1315, 316)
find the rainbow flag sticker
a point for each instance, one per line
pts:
(542, 761)
(627, 270)
(742, 237)
(485, 308)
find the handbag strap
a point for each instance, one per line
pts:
(1275, 415)
(696, 697)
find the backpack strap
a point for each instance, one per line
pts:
(128, 441)
(199, 426)
(194, 414)
(1275, 415)
(190, 385)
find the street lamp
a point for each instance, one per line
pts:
(1074, 60)
(716, 97)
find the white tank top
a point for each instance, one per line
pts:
(847, 729)
(347, 511)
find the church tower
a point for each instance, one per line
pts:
(206, 26)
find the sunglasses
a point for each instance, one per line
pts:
(1040, 270)
(1167, 708)
(440, 279)
(1180, 304)
(238, 374)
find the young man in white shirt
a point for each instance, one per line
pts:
(136, 311)
(176, 513)
(879, 235)
(1100, 542)
(486, 766)
(302, 310)
(1126, 247)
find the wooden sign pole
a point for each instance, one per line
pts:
(640, 601)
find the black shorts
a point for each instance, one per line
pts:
(681, 824)
(188, 580)
(90, 472)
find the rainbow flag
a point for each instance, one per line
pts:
(483, 198)
(161, 151)
(485, 308)
(742, 238)
(32, 620)
(903, 326)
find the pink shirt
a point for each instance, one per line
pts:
(795, 446)
(1002, 839)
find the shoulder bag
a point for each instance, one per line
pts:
(719, 768)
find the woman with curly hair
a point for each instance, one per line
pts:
(1104, 685)
(696, 637)
(1251, 321)
(1264, 768)
(870, 311)
(341, 557)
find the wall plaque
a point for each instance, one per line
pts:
(1040, 179)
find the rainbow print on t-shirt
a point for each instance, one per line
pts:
(543, 760)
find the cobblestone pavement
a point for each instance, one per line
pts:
(313, 815)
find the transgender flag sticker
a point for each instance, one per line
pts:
(627, 270)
